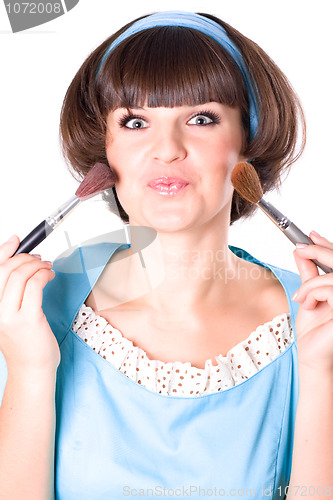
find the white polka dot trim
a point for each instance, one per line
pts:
(182, 379)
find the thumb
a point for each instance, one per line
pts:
(8, 248)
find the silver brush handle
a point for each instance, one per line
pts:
(293, 233)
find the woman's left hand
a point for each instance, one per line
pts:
(314, 321)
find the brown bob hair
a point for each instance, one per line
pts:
(173, 66)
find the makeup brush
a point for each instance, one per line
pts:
(247, 183)
(98, 179)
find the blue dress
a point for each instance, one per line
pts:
(117, 439)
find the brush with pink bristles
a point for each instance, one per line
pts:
(246, 182)
(98, 179)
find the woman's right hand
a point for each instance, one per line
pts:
(26, 339)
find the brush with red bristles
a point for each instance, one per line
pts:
(247, 184)
(98, 179)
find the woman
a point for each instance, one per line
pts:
(171, 102)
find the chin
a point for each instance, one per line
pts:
(163, 220)
(170, 224)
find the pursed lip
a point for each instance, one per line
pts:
(167, 181)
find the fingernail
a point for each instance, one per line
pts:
(12, 239)
(294, 296)
(301, 245)
(48, 262)
(36, 255)
(316, 234)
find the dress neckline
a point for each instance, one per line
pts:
(267, 342)
(87, 310)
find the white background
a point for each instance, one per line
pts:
(37, 66)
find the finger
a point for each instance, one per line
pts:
(16, 284)
(307, 286)
(9, 248)
(33, 297)
(320, 240)
(322, 254)
(306, 268)
(10, 265)
(322, 294)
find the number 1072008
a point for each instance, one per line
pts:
(33, 8)
(305, 491)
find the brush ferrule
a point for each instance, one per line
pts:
(56, 217)
(277, 217)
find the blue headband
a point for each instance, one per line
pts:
(204, 25)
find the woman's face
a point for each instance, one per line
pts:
(174, 164)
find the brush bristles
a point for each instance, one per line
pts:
(98, 179)
(246, 182)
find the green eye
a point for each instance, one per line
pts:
(201, 120)
(136, 123)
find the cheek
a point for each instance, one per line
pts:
(118, 158)
(113, 154)
(121, 161)
(225, 144)
(222, 159)
(125, 155)
(221, 162)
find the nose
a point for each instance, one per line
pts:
(168, 145)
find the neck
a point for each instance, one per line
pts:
(184, 268)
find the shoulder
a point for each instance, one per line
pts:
(275, 285)
(289, 280)
(76, 272)
(285, 276)
(60, 295)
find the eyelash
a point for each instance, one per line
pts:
(124, 119)
(209, 114)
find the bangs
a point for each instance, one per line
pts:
(170, 66)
